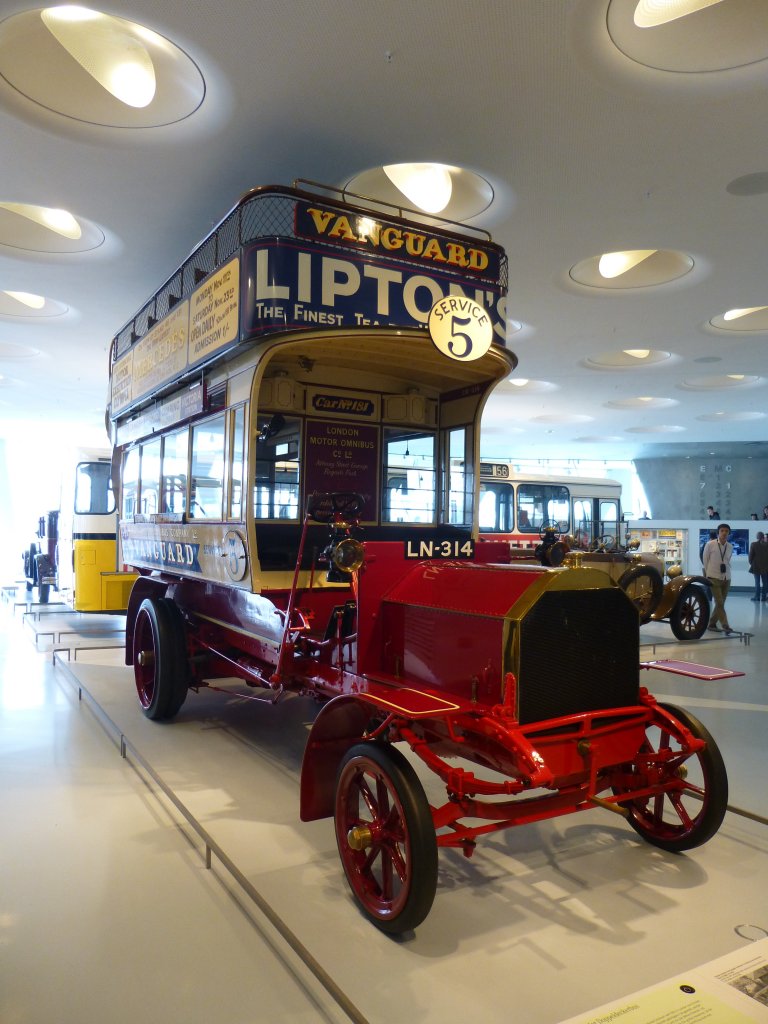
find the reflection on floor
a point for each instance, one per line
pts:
(108, 913)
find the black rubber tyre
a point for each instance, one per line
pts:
(386, 837)
(29, 566)
(644, 586)
(691, 812)
(44, 591)
(690, 615)
(160, 658)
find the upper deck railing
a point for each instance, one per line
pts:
(270, 211)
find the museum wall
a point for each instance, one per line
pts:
(681, 488)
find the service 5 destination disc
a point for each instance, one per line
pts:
(460, 327)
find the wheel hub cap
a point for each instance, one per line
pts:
(359, 837)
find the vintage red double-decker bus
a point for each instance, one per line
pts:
(296, 416)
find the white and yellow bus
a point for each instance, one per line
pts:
(88, 572)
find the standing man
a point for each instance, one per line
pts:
(716, 559)
(758, 566)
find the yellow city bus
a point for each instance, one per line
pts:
(88, 572)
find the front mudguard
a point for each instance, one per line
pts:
(341, 723)
(673, 590)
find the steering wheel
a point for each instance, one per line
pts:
(551, 526)
(324, 507)
(606, 541)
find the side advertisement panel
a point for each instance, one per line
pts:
(217, 552)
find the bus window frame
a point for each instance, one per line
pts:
(396, 434)
(266, 427)
(90, 511)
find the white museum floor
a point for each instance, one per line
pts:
(109, 914)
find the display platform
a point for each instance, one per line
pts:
(56, 625)
(544, 922)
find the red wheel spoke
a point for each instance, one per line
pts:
(367, 796)
(676, 800)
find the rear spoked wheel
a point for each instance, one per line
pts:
(690, 616)
(160, 658)
(692, 787)
(386, 837)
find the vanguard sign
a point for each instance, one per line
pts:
(287, 286)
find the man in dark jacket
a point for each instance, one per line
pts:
(758, 566)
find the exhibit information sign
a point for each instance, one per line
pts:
(730, 990)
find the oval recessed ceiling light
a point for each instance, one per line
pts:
(627, 359)
(525, 384)
(750, 319)
(427, 186)
(643, 402)
(650, 13)
(110, 49)
(690, 36)
(452, 193)
(45, 229)
(10, 351)
(598, 439)
(27, 304)
(755, 184)
(723, 382)
(562, 418)
(614, 264)
(737, 314)
(98, 68)
(632, 268)
(730, 417)
(658, 428)
(60, 221)
(27, 299)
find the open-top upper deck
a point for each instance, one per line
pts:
(287, 259)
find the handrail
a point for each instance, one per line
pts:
(137, 760)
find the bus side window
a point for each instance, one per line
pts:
(276, 488)
(129, 506)
(175, 458)
(455, 462)
(93, 489)
(207, 491)
(609, 517)
(409, 477)
(488, 509)
(582, 517)
(539, 503)
(150, 477)
(236, 456)
(496, 501)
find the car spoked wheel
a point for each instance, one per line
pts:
(690, 790)
(386, 837)
(644, 587)
(690, 616)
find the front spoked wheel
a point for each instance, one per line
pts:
(691, 788)
(386, 837)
